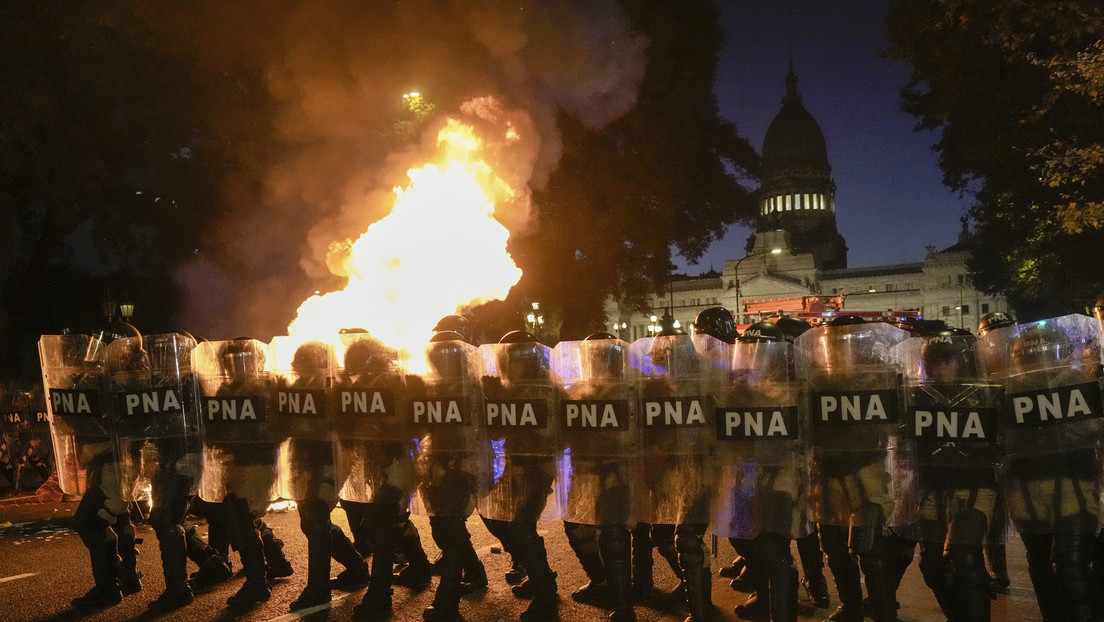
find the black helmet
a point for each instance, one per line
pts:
(312, 358)
(762, 331)
(1041, 345)
(792, 327)
(994, 320)
(949, 355)
(369, 355)
(241, 359)
(520, 356)
(446, 355)
(846, 320)
(716, 322)
(103, 337)
(603, 356)
(457, 324)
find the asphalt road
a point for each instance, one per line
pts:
(43, 566)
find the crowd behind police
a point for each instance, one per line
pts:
(857, 441)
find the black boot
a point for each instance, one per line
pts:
(174, 564)
(812, 567)
(845, 574)
(213, 567)
(244, 537)
(383, 532)
(663, 537)
(757, 605)
(418, 571)
(772, 551)
(1073, 556)
(277, 565)
(584, 542)
(881, 584)
(356, 574)
(935, 567)
(1044, 579)
(613, 542)
(999, 581)
(105, 592)
(643, 583)
(130, 580)
(694, 564)
(528, 546)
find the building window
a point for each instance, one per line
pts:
(985, 307)
(965, 309)
(890, 287)
(962, 279)
(946, 310)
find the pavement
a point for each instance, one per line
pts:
(44, 565)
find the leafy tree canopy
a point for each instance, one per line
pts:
(1016, 91)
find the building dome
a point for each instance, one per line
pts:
(794, 137)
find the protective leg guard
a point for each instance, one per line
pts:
(663, 537)
(642, 574)
(881, 583)
(356, 574)
(448, 532)
(418, 571)
(583, 540)
(383, 522)
(174, 564)
(615, 547)
(936, 568)
(1073, 556)
(845, 573)
(278, 566)
(528, 546)
(130, 580)
(243, 535)
(812, 567)
(757, 605)
(96, 534)
(773, 552)
(1044, 580)
(694, 564)
(354, 513)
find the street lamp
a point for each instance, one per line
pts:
(126, 310)
(736, 272)
(535, 320)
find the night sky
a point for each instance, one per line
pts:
(886, 174)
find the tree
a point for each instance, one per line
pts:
(668, 172)
(1016, 90)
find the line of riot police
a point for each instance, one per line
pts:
(868, 436)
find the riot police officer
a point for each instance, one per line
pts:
(239, 451)
(377, 470)
(761, 473)
(447, 410)
(73, 371)
(157, 414)
(858, 470)
(682, 376)
(952, 423)
(521, 401)
(601, 436)
(1053, 426)
(304, 418)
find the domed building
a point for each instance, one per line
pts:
(796, 261)
(797, 191)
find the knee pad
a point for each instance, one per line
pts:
(865, 533)
(583, 539)
(314, 518)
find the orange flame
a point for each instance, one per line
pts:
(438, 251)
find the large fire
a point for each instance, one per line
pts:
(439, 250)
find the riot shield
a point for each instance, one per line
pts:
(73, 384)
(761, 471)
(951, 422)
(152, 398)
(37, 445)
(676, 412)
(375, 439)
(600, 434)
(521, 403)
(239, 438)
(1053, 424)
(446, 411)
(859, 467)
(303, 413)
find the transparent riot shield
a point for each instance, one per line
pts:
(1053, 423)
(521, 403)
(761, 469)
(152, 394)
(36, 448)
(73, 384)
(239, 437)
(600, 434)
(676, 412)
(375, 438)
(859, 465)
(446, 411)
(304, 413)
(952, 428)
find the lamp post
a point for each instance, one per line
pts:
(535, 320)
(126, 310)
(736, 272)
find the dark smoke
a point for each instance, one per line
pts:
(336, 73)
